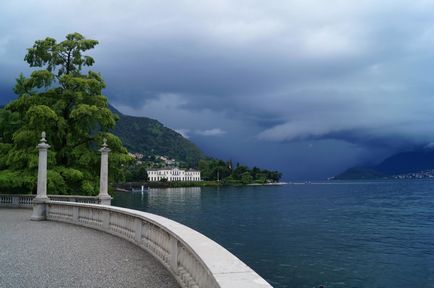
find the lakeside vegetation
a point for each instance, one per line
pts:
(218, 170)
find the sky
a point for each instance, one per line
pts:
(307, 87)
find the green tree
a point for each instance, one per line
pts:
(136, 172)
(211, 168)
(238, 171)
(261, 178)
(246, 178)
(60, 98)
(255, 172)
(274, 176)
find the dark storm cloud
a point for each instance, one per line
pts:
(338, 73)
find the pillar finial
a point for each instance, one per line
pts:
(104, 143)
(43, 135)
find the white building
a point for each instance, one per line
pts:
(173, 174)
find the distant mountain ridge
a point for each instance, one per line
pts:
(149, 137)
(401, 163)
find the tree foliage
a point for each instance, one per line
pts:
(58, 97)
(136, 172)
(213, 169)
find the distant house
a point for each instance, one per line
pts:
(166, 160)
(136, 156)
(173, 174)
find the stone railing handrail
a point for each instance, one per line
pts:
(193, 259)
(75, 198)
(25, 200)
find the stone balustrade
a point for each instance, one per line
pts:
(25, 200)
(16, 201)
(193, 259)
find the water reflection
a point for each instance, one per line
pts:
(171, 195)
(169, 202)
(178, 199)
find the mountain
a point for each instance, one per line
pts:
(359, 173)
(149, 137)
(408, 162)
(401, 163)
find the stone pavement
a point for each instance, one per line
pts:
(51, 254)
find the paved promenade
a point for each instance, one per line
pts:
(50, 254)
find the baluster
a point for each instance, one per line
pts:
(174, 254)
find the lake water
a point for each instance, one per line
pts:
(361, 234)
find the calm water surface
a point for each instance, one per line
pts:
(363, 234)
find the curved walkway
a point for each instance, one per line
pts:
(51, 254)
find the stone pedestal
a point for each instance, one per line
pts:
(39, 203)
(103, 196)
(105, 200)
(39, 210)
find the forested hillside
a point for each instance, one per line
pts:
(149, 137)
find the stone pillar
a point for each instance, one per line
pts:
(41, 199)
(103, 196)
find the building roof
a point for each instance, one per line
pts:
(171, 169)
